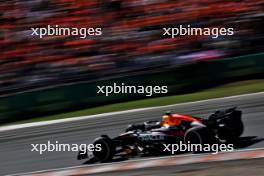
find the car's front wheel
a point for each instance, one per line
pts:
(107, 149)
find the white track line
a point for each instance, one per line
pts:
(73, 119)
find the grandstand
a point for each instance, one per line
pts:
(132, 38)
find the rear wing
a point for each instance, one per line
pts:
(226, 112)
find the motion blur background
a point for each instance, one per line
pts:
(60, 73)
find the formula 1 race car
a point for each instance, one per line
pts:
(149, 137)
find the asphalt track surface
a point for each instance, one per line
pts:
(252, 167)
(15, 145)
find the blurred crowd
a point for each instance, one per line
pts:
(132, 40)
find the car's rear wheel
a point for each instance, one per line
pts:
(232, 131)
(193, 138)
(199, 135)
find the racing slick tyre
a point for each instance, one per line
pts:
(107, 149)
(231, 131)
(231, 127)
(199, 135)
(82, 154)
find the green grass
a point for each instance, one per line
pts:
(236, 88)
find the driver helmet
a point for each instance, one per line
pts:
(168, 120)
(168, 113)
